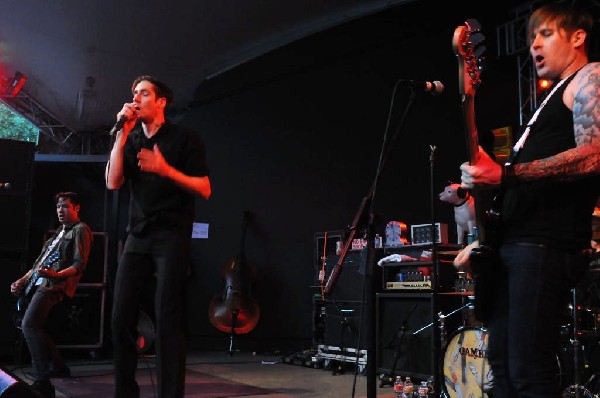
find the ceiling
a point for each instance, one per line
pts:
(80, 57)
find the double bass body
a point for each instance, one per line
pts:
(234, 310)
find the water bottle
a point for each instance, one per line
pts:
(409, 388)
(430, 384)
(398, 387)
(423, 391)
(378, 241)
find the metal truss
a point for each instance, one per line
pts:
(56, 137)
(36, 114)
(512, 40)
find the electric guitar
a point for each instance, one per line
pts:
(467, 43)
(30, 286)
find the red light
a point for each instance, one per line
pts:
(544, 84)
(17, 84)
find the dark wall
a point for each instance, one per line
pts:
(295, 138)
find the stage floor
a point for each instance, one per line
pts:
(217, 374)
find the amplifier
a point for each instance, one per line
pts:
(422, 285)
(416, 275)
(78, 322)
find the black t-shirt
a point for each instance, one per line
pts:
(155, 200)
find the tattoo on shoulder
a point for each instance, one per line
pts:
(586, 106)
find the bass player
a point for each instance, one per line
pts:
(548, 190)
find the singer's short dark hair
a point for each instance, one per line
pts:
(161, 89)
(73, 196)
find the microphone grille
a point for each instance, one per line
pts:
(438, 87)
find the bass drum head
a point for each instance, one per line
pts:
(466, 369)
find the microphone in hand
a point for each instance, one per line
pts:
(121, 122)
(118, 125)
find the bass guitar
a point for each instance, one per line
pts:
(467, 43)
(30, 286)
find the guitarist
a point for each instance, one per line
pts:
(54, 275)
(548, 194)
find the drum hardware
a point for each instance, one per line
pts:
(577, 390)
(388, 379)
(442, 319)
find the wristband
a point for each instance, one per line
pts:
(509, 176)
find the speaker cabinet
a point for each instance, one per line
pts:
(344, 322)
(349, 285)
(78, 322)
(96, 270)
(404, 331)
(16, 170)
(9, 334)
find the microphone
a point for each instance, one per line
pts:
(435, 87)
(118, 125)
(5, 185)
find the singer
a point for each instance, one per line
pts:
(166, 168)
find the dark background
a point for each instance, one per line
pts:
(294, 137)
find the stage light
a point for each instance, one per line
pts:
(543, 84)
(16, 84)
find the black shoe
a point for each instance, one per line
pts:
(44, 388)
(60, 373)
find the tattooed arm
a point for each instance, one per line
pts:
(582, 96)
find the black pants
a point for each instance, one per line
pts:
(534, 285)
(164, 254)
(44, 354)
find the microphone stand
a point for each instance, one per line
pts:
(436, 343)
(365, 212)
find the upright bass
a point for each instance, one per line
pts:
(234, 310)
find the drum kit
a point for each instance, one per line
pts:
(465, 368)
(466, 372)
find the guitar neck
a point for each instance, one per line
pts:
(473, 149)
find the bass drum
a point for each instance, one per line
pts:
(466, 369)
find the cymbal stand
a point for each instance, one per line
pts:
(441, 317)
(576, 390)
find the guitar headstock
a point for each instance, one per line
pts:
(468, 46)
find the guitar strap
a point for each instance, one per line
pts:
(49, 250)
(517, 147)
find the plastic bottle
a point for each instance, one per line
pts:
(378, 241)
(430, 384)
(409, 388)
(423, 390)
(398, 387)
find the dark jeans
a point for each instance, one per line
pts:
(534, 290)
(164, 254)
(44, 354)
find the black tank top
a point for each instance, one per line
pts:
(549, 212)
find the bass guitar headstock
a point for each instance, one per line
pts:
(468, 46)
